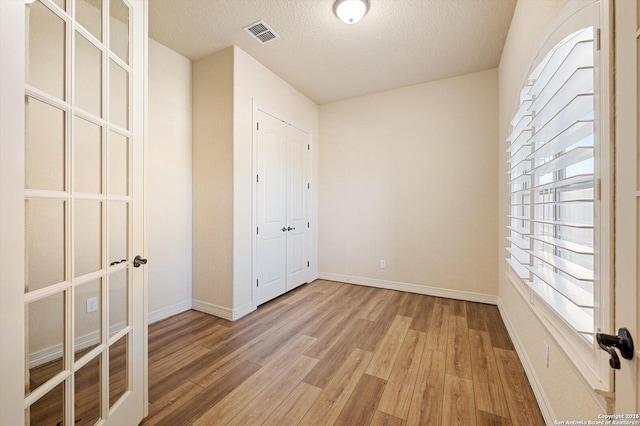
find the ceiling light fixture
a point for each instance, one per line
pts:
(350, 11)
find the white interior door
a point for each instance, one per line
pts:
(297, 225)
(281, 189)
(627, 75)
(271, 209)
(83, 204)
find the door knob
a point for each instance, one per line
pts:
(284, 229)
(138, 260)
(291, 229)
(622, 341)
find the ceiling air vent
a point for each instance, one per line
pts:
(261, 31)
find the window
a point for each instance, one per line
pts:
(553, 229)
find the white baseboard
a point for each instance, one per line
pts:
(54, 352)
(536, 386)
(222, 311)
(169, 311)
(413, 288)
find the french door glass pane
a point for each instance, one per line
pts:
(44, 330)
(118, 284)
(88, 78)
(118, 164)
(88, 393)
(118, 95)
(48, 410)
(118, 225)
(118, 369)
(119, 29)
(87, 220)
(45, 243)
(88, 313)
(44, 146)
(45, 63)
(89, 15)
(87, 150)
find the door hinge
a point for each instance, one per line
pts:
(307, 263)
(257, 178)
(257, 283)
(598, 189)
(307, 224)
(308, 186)
(308, 147)
(257, 230)
(598, 39)
(257, 126)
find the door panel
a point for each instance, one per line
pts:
(271, 208)
(297, 148)
(83, 302)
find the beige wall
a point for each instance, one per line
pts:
(169, 187)
(225, 86)
(563, 389)
(409, 176)
(213, 179)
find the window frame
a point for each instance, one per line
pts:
(587, 358)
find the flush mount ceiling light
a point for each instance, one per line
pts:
(350, 11)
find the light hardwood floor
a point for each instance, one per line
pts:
(331, 353)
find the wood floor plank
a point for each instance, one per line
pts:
(496, 328)
(386, 354)
(422, 317)
(371, 308)
(486, 419)
(489, 395)
(458, 351)
(378, 330)
(267, 401)
(335, 395)
(171, 402)
(475, 317)
(426, 403)
(384, 419)
(396, 398)
(199, 403)
(458, 407)
(438, 328)
(523, 408)
(361, 406)
(291, 411)
(241, 396)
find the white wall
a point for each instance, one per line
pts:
(409, 176)
(169, 187)
(213, 180)
(559, 387)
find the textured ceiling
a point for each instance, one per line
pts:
(398, 43)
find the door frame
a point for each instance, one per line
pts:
(257, 105)
(627, 195)
(12, 369)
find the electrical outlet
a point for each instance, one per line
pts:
(92, 304)
(546, 354)
(383, 264)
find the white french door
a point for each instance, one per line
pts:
(82, 221)
(281, 207)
